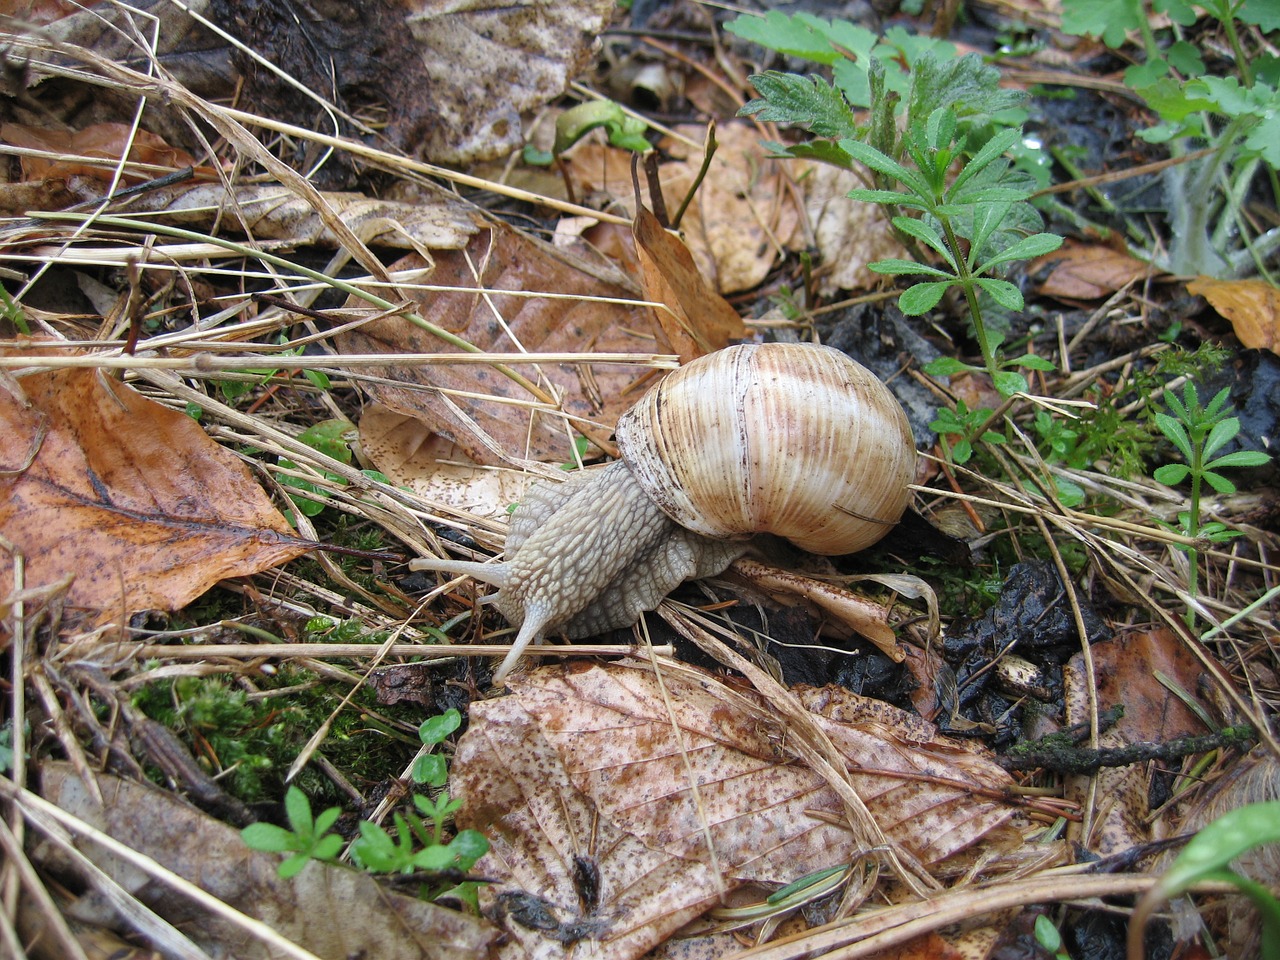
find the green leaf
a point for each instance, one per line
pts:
(811, 101)
(1002, 292)
(925, 233)
(293, 866)
(1027, 248)
(907, 268)
(877, 196)
(1033, 362)
(1174, 430)
(794, 36)
(947, 367)
(431, 769)
(468, 847)
(1185, 58)
(317, 379)
(1240, 458)
(298, 810)
(326, 820)
(1222, 433)
(1221, 842)
(1219, 483)
(537, 158)
(1108, 19)
(268, 838)
(1172, 474)
(435, 729)
(922, 297)
(1008, 382)
(991, 150)
(870, 157)
(327, 848)
(1264, 13)
(962, 451)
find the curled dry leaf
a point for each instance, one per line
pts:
(435, 469)
(331, 911)
(501, 272)
(1252, 306)
(131, 497)
(631, 748)
(1080, 271)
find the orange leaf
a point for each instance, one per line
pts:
(104, 140)
(132, 498)
(1252, 306)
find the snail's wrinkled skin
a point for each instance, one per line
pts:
(587, 556)
(791, 439)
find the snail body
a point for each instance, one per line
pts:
(790, 439)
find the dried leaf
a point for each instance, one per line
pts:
(1088, 271)
(333, 911)
(850, 233)
(699, 320)
(434, 468)
(547, 838)
(1252, 306)
(131, 497)
(104, 140)
(497, 260)
(632, 748)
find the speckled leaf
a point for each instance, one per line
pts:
(130, 497)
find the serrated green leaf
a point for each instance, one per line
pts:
(965, 84)
(1185, 58)
(824, 151)
(1108, 19)
(1025, 249)
(906, 268)
(1141, 75)
(794, 36)
(1002, 292)
(1264, 13)
(922, 297)
(810, 101)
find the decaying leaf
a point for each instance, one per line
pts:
(435, 220)
(631, 748)
(850, 233)
(132, 498)
(335, 912)
(698, 320)
(107, 141)
(436, 469)
(1252, 306)
(1080, 271)
(497, 260)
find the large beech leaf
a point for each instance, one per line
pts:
(131, 498)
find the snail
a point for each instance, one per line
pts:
(794, 440)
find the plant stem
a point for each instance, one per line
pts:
(970, 295)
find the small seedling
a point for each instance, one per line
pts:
(1049, 937)
(307, 838)
(431, 768)
(967, 427)
(1199, 432)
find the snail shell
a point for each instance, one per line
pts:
(790, 439)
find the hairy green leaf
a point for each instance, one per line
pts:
(810, 101)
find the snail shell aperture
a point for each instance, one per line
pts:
(795, 440)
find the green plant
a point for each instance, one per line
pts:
(1198, 432)
(977, 220)
(234, 389)
(967, 427)
(624, 131)
(1236, 117)
(431, 768)
(333, 439)
(417, 846)
(1208, 856)
(306, 839)
(1049, 937)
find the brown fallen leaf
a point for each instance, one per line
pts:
(497, 260)
(631, 748)
(131, 497)
(333, 911)
(1088, 271)
(698, 320)
(1127, 671)
(850, 234)
(104, 140)
(1252, 306)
